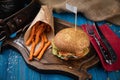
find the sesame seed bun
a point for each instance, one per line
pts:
(71, 43)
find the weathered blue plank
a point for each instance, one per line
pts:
(70, 18)
(13, 67)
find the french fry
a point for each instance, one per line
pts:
(41, 46)
(43, 50)
(32, 51)
(48, 28)
(39, 32)
(45, 37)
(32, 33)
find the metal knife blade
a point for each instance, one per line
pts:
(106, 43)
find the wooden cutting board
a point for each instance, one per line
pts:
(50, 63)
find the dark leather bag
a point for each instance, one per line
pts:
(9, 7)
(18, 20)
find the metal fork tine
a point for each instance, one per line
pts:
(89, 29)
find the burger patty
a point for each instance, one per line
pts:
(68, 55)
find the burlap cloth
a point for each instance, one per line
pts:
(96, 10)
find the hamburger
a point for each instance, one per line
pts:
(70, 44)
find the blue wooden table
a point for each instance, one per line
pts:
(13, 66)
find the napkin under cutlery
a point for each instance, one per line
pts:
(114, 41)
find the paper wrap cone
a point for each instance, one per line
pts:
(44, 15)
